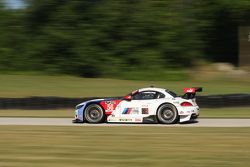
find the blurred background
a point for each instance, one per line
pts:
(127, 39)
(98, 48)
(57, 53)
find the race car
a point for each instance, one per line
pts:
(146, 105)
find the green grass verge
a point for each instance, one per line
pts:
(68, 86)
(41, 146)
(235, 112)
(59, 113)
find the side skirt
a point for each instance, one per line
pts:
(150, 119)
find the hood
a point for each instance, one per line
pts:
(86, 102)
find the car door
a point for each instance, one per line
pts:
(129, 108)
(142, 104)
(146, 100)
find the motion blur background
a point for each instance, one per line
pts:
(65, 51)
(127, 39)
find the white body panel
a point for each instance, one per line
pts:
(138, 108)
(134, 111)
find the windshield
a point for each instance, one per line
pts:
(133, 93)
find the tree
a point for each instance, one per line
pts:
(95, 38)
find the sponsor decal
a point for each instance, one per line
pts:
(125, 120)
(131, 111)
(127, 111)
(189, 90)
(109, 102)
(138, 120)
(110, 105)
(111, 120)
(150, 92)
(135, 111)
(144, 110)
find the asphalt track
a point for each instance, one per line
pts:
(68, 122)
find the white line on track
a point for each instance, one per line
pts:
(68, 122)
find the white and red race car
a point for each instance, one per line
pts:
(146, 105)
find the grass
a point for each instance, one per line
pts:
(68, 86)
(59, 113)
(41, 146)
(235, 112)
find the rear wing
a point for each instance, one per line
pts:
(190, 92)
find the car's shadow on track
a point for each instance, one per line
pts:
(189, 122)
(133, 123)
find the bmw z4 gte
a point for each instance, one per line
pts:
(146, 105)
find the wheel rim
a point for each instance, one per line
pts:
(94, 114)
(167, 114)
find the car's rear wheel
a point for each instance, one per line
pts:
(167, 114)
(94, 114)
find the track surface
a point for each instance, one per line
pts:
(67, 122)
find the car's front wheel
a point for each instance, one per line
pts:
(94, 114)
(167, 114)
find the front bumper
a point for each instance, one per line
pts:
(77, 121)
(78, 116)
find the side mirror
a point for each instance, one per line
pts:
(128, 98)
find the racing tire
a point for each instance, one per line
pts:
(167, 114)
(94, 114)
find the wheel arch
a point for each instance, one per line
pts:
(156, 113)
(90, 103)
(166, 103)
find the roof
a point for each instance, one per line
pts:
(153, 89)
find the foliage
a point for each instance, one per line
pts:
(94, 38)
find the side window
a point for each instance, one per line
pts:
(137, 96)
(160, 95)
(147, 95)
